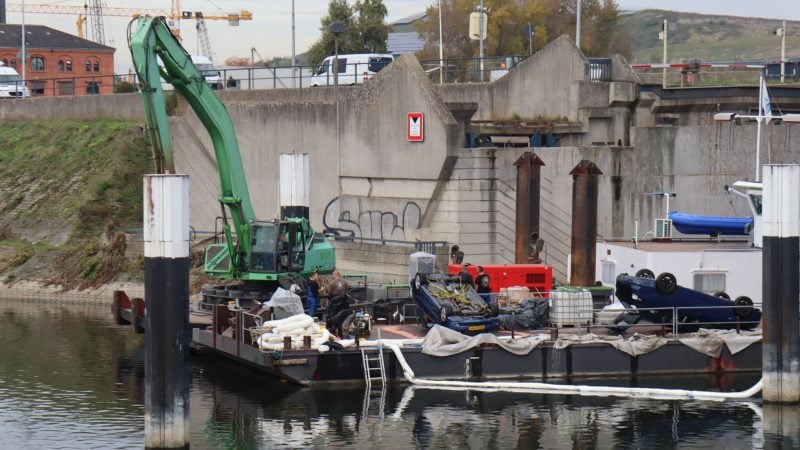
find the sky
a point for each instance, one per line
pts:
(270, 31)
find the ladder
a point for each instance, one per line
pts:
(373, 366)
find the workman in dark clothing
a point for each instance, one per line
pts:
(312, 288)
(464, 276)
(482, 285)
(339, 307)
(456, 255)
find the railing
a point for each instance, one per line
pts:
(675, 320)
(600, 69)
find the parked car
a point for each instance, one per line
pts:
(694, 309)
(442, 299)
(353, 69)
(10, 84)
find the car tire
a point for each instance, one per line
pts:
(666, 283)
(744, 306)
(444, 312)
(722, 294)
(645, 273)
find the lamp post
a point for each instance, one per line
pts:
(782, 33)
(336, 29)
(294, 60)
(482, 11)
(441, 46)
(22, 53)
(663, 37)
(578, 24)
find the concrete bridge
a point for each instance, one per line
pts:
(369, 181)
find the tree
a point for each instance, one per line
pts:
(372, 25)
(365, 32)
(506, 36)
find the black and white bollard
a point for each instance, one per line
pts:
(167, 335)
(781, 283)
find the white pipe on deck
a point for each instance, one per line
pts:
(547, 388)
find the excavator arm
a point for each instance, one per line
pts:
(152, 43)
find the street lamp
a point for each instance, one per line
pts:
(24, 74)
(482, 11)
(441, 46)
(336, 28)
(782, 33)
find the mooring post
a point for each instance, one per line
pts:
(584, 223)
(527, 219)
(781, 283)
(166, 285)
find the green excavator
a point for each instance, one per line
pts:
(260, 254)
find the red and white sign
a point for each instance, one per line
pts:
(415, 127)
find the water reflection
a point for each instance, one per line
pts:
(69, 378)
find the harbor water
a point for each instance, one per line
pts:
(71, 379)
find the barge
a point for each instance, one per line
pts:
(567, 353)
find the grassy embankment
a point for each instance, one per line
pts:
(67, 190)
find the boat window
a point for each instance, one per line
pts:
(709, 282)
(756, 199)
(609, 272)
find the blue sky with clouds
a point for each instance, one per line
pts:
(270, 32)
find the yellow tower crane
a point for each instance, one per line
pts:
(174, 15)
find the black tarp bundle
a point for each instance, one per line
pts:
(531, 314)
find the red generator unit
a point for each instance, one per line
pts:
(536, 277)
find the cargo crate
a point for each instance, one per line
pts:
(570, 307)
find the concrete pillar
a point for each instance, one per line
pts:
(781, 283)
(780, 425)
(584, 223)
(528, 204)
(166, 285)
(294, 176)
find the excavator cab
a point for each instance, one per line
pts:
(276, 247)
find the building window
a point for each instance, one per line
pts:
(37, 64)
(609, 272)
(69, 65)
(97, 66)
(4, 61)
(92, 88)
(13, 63)
(88, 66)
(37, 88)
(709, 282)
(66, 88)
(60, 65)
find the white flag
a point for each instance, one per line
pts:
(765, 101)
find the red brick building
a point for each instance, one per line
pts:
(58, 63)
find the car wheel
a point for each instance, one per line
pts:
(722, 294)
(445, 311)
(645, 273)
(744, 306)
(666, 283)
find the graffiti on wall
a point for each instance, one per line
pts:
(347, 217)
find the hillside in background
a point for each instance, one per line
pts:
(708, 37)
(68, 190)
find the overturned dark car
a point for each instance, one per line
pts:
(659, 299)
(442, 299)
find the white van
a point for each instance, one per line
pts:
(208, 71)
(353, 69)
(10, 84)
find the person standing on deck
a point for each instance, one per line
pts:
(339, 307)
(464, 276)
(313, 293)
(482, 285)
